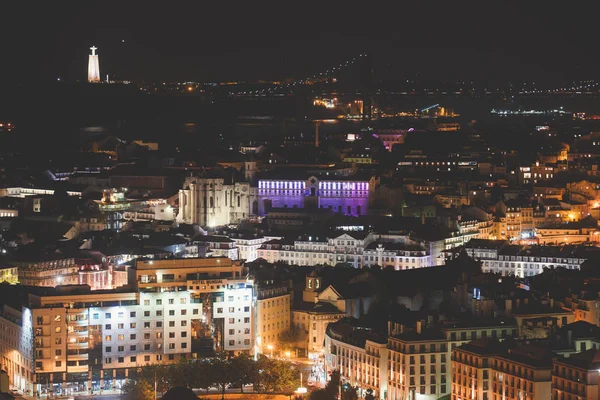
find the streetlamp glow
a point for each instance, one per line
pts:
(270, 347)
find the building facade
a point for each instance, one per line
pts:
(210, 202)
(273, 318)
(358, 250)
(350, 197)
(70, 339)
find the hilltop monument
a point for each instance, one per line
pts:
(93, 66)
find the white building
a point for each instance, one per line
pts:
(71, 339)
(234, 307)
(356, 249)
(248, 246)
(525, 261)
(210, 202)
(359, 355)
(16, 345)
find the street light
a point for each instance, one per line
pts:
(270, 347)
(301, 390)
(287, 354)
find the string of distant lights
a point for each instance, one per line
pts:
(321, 76)
(576, 86)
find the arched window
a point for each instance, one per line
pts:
(211, 202)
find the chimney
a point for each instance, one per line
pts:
(508, 306)
(419, 326)
(551, 303)
(317, 123)
(422, 217)
(570, 337)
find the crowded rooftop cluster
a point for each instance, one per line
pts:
(417, 259)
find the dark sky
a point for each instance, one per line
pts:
(234, 40)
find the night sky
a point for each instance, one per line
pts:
(200, 41)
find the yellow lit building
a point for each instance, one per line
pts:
(9, 274)
(576, 377)
(486, 370)
(273, 318)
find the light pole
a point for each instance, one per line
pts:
(301, 390)
(270, 347)
(154, 383)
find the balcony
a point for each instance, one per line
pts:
(83, 368)
(77, 357)
(78, 333)
(77, 345)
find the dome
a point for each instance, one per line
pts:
(180, 393)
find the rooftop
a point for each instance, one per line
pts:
(587, 360)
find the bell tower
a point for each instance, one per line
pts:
(312, 287)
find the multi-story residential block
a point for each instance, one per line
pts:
(525, 261)
(417, 360)
(576, 377)
(16, 345)
(487, 369)
(273, 317)
(472, 369)
(220, 284)
(360, 355)
(418, 366)
(522, 373)
(68, 339)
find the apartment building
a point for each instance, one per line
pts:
(472, 369)
(418, 364)
(220, 284)
(273, 316)
(360, 355)
(523, 261)
(522, 373)
(70, 338)
(16, 345)
(420, 357)
(576, 377)
(489, 370)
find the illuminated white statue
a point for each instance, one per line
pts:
(93, 66)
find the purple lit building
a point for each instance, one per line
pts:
(347, 195)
